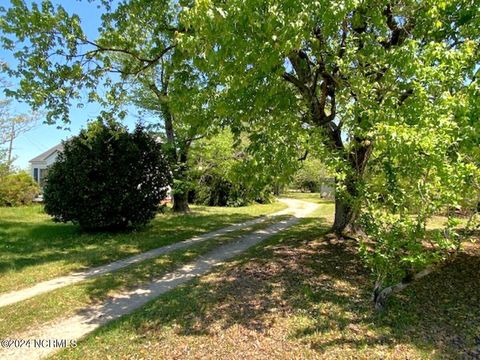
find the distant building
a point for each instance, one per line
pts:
(327, 188)
(39, 165)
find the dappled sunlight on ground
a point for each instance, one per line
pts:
(301, 296)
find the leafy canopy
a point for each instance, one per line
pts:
(386, 91)
(134, 59)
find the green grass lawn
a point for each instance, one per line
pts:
(311, 197)
(34, 248)
(67, 301)
(299, 295)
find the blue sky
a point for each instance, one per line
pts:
(43, 136)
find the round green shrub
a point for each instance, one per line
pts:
(108, 179)
(17, 189)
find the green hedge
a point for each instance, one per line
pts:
(17, 189)
(108, 179)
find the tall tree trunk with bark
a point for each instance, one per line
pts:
(180, 202)
(321, 104)
(317, 82)
(344, 216)
(178, 152)
(347, 204)
(180, 192)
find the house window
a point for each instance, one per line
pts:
(35, 174)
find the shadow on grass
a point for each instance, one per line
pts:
(24, 243)
(321, 293)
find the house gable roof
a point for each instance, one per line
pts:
(45, 155)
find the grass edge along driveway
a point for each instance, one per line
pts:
(33, 248)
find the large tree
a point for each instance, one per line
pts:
(386, 92)
(343, 67)
(134, 59)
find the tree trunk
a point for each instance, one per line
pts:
(180, 195)
(180, 203)
(10, 145)
(344, 216)
(178, 154)
(347, 205)
(276, 189)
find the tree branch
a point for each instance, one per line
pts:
(149, 62)
(399, 33)
(380, 296)
(294, 80)
(404, 96)
(304, 156)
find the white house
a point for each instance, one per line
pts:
(327, 187)
(39, 165)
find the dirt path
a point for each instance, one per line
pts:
(59, 282)
(88, 319)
